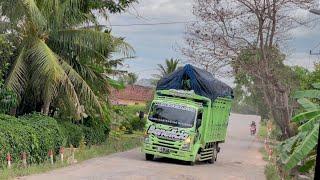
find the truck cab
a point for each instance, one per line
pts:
(177, 127)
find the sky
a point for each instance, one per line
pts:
(154, 43)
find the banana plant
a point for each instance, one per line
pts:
(301, 147)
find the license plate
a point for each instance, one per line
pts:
(163, 149)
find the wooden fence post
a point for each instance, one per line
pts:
(9, 160)
(61, 154)
(50, 153)
(24, 159)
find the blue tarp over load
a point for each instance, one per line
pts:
(191, 78)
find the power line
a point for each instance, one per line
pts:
(153, 24)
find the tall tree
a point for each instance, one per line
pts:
(170, 66)
(131, 78)
(246, 34)
(56, 60)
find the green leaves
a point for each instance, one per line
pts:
(16, 80)
(306, 115)
(307, 94)
(304, 149)
(307, 104)
(58, 63)
(299, 147)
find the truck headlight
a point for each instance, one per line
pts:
(186, 144)
(146, 138)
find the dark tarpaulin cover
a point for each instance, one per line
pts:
(202, 82)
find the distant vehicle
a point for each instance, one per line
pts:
(253, 128)
(188, 117)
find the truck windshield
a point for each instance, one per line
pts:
(172, 114)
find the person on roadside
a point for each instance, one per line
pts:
(141, 115)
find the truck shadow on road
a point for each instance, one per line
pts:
(177, 162)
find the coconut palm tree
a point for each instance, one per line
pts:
(57, 60)
(132, 78)
(170, 66)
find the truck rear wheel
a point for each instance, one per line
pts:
(149, 157)
(214, 156)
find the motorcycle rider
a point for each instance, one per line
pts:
(253, 127)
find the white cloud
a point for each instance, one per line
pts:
(155, 43)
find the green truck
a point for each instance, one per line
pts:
(185, 124)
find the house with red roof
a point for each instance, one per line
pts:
(131, 95)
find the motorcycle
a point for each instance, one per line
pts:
(253, 130)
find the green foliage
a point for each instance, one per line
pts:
(111, 6)
(125, 117)
(93, 132)
(170, 66)
(8, 100)
(73, 133)
(57, 65)
(301, 148)
(34, 134)
(271, 172)
(128, 79)
(123, 142)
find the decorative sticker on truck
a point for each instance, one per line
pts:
(176, 106)
(172, 133)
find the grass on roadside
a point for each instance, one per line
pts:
(271, 172)
(114, 144)
(263, 133)
(270, 169)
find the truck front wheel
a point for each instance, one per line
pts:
(149, 157)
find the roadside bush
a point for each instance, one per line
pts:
(34, 134)
(93, 131)
(72, 133)
(126, 118)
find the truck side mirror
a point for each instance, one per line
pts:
(199, 119)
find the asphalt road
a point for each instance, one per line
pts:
(239, 158)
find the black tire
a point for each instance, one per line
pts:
(149, 157)
(214, 155)
(191, 163)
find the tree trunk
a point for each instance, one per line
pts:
(45, 108)
(280, 110)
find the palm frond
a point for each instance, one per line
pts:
(85, 90)
(123, 48)
(72, 97)
(34, 14)
(46, 70)
(16, 80)
(99, 41)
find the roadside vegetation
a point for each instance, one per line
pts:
(55, 77)
(245, 39)
(117, 142)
